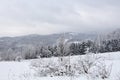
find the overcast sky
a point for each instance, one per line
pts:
(22, 17)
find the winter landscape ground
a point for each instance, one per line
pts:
(13, 70)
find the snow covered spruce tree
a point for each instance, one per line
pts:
(79, 48)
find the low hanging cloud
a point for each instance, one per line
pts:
(22, 17)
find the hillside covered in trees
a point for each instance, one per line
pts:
(35, 46)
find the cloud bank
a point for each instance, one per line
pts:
(22, 17)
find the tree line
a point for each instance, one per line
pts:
(62, 48)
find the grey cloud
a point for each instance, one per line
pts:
(52, 16)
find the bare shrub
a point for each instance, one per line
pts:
(104, 71)
(52, 68)
(90, 64)
(95, 66)
(87, 62)
(44, 68)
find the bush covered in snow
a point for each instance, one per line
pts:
(89, 64)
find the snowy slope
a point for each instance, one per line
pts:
(10, 70)
(22, 71)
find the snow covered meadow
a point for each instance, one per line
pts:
(59, 40)
(29, 69)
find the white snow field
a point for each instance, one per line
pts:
(13, 70)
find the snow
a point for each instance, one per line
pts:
(13, 70)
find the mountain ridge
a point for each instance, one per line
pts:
(41, 40)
